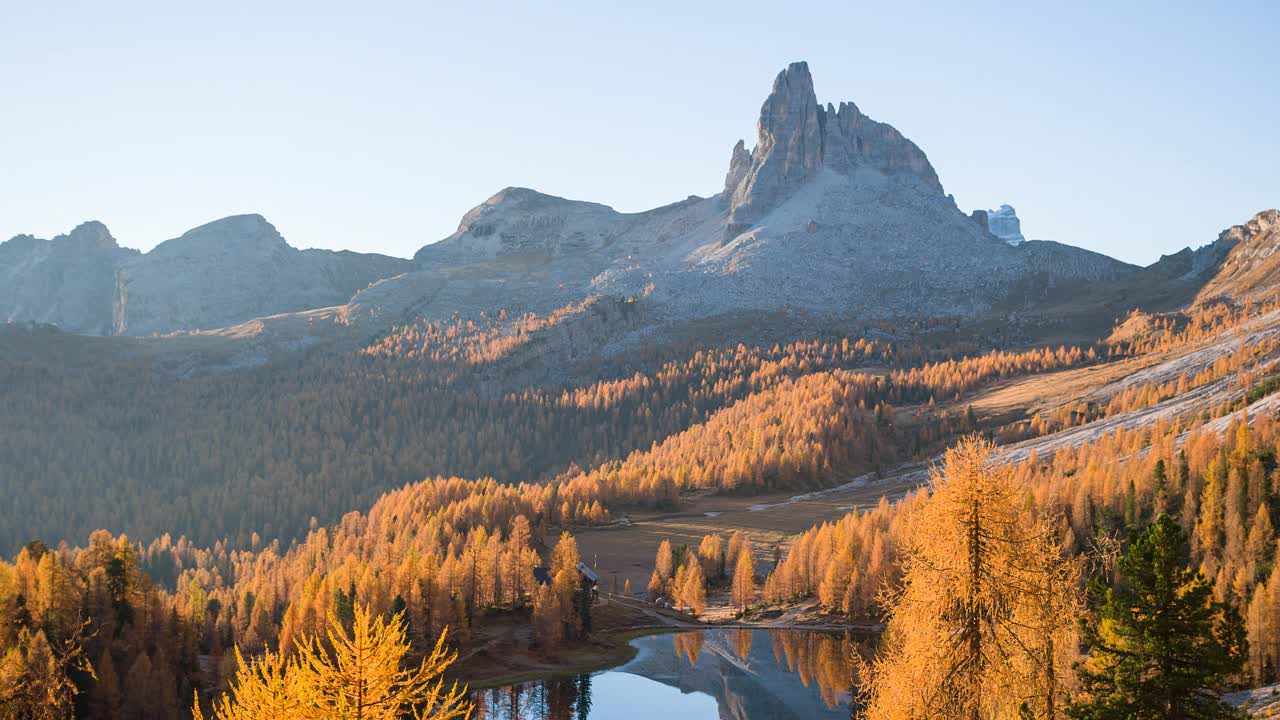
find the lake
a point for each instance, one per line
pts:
(712, 674)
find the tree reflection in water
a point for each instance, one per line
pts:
(557, 698)
(689, 644)
(825, 664)
(827, 659)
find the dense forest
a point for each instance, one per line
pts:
(331, 433)
(1223, 490)
(242, 492)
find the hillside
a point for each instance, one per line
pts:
(1251, 267)
(550, 339)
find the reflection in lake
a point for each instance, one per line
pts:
(733, 674)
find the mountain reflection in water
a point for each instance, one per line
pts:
(729, 674)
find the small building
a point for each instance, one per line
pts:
(542, 576)
(585, 571)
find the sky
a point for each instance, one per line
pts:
(1127, 128)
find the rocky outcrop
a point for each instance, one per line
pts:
(1250, 264)
(797, 138)
(67, 281)
(221, 273)
(1004, 224)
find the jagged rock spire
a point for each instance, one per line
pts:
(797, 138)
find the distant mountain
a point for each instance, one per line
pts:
(227, 271)
(1003, 223)
(831, 212)
(67, 281)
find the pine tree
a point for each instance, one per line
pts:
(584, 599)
(269, 686)
(693, 593)
(968, 634)
(360, 673)
(711, 553)
(35, 675)
(1160, 488)
(106, 692)
(662, 568)
(1209, 528)
(744, 581)
(548, 620)
(1162, 643)
(567, 584)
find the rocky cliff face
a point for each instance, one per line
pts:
(831, 213)
(66, 281)
(1250, 261)
(1004, 224)
(798, 138)
(221, 273)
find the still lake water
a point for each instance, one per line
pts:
(696, 675)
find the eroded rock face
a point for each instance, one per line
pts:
(1250, 264)
(1004, 224)
(66, 281)
(221, 273)
(797, 138)
(831, 213)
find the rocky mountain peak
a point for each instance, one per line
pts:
(797, 138)
(237, 233)
(91, 235)
(518, 221)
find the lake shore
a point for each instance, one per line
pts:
(503, 653)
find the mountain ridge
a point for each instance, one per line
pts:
(225, 271)
(829, 212)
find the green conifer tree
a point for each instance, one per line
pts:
(1163, 645)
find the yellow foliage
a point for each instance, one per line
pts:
(359, 673)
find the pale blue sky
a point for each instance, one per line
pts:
(374, 126)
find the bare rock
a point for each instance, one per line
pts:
(1004, 224)
(225, 272)
(797, 138)
(1250, 259)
